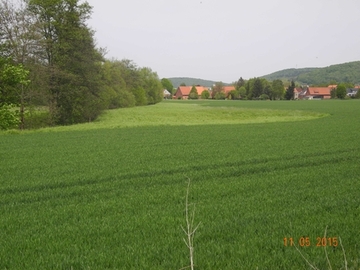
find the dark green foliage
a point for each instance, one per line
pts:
(341, 91)
(290, 91)
(166, 84)
(357, 96)
(193, 93)
(240, 83)
(333, 93)
(69, 75)
(257, 88)
(71, 60)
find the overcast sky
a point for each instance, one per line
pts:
(222, 40)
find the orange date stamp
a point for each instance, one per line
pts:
(307, 242)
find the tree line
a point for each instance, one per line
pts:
(48, 59)
(258, 89)
(255, 88)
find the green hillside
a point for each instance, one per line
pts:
(176, 81)
(347, 72)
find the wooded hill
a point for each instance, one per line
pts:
(177, 81)
(347, 72)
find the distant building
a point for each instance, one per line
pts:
(183, 92)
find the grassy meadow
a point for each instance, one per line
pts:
(111, 194)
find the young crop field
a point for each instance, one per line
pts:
(111, 194)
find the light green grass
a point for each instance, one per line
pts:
(113, 198)
(179, 113)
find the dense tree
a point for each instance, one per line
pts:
(166, 84)
(152, 85)
(277, 89)
(240, 83)
(72, 61)
(193, 93)
(183, 84)
(333, 93)
(258, 88)
(290, 91)
(341, 91)
(217, 89)
(357, 94)
(13, 79)
(242, 92)
(233, 94)
(205, 94)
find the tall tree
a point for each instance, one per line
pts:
(258, 88)
(277, 89)
(72, 61)
(166, 84)
(341, 91)
(193, 93)
(240, 83)
(242, 92)
(217, 89)
(290, 91)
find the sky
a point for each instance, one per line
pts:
(223, 40)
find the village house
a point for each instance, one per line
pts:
(316, 92)
(167, 94)
(183, 92)
(351, 92)
(228, 89)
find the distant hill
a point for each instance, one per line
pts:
(347, 72)
(191, 81)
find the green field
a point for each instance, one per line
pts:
(111, 194)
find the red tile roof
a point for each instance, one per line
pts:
(227, 89)
(185, 90)
(319, 91)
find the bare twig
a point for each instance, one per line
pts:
(312, 266)
(190, 229)
(343, 250)
(326, 254)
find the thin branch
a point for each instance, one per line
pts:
(312, 266)
(326, 254)
(342, 247)
(189, 231)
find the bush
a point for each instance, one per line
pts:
(205, 94)
(220, 95)
(126, 99)
(9, 117)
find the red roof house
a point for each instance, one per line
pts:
(183, 92)
(318, 93)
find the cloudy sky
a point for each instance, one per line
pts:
(222, 40)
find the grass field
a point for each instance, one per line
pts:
(111, 194)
